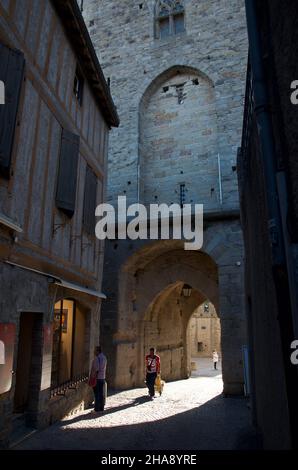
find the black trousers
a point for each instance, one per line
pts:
(100, 395)
(150, 381)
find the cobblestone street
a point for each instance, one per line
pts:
(191, 414)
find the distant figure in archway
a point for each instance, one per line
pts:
(152, 369)
(215, 358)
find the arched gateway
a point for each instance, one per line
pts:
(179, 95)
(152, 309)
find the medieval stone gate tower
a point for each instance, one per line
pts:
(176, 71)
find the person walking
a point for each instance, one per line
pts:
(152, 369)
(98, 370)
(215, 358)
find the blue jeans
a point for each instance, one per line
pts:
(150, 381)
(100, 395)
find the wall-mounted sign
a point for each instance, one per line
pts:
(7, 342)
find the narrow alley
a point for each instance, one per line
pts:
(190, 414)
(148, 230)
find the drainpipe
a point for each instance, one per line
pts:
(219, 179)
(279, 262)
(138, 182)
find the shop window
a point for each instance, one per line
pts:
(70, 347)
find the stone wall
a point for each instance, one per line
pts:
(180, 102)
(178, 141)
(204, 329)
(137, 276)
(283, 44)
(213, 49)
(271, 306)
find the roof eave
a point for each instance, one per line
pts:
(76, 30)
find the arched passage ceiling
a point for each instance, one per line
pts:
(188, 304)
(172, 268)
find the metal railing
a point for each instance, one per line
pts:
(71, 384)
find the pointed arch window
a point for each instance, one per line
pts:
(169, 18)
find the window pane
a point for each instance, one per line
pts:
(62, 342)
(56, 346)
(164, 28)
(66, 341)
(178, 24)
(80, 353)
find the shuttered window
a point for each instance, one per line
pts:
(67, 174)
(90, 202)
(11, 75)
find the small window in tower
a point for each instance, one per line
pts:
(164, 27)
(178, 24)
(78, 86)
(169, 18)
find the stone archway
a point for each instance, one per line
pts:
(153, 273)
(204, 331)
(165, 326)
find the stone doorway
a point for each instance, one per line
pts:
(172, 323)
(28, 359)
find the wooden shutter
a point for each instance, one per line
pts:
(11, 74)
(67, 174)
(90, 201)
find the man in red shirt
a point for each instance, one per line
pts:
(152, 369)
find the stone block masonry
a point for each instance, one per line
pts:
(161, 141)
(180, 102)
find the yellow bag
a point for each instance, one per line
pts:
(159, 384)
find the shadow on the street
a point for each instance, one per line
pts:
(93, 414)
(219, 424)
